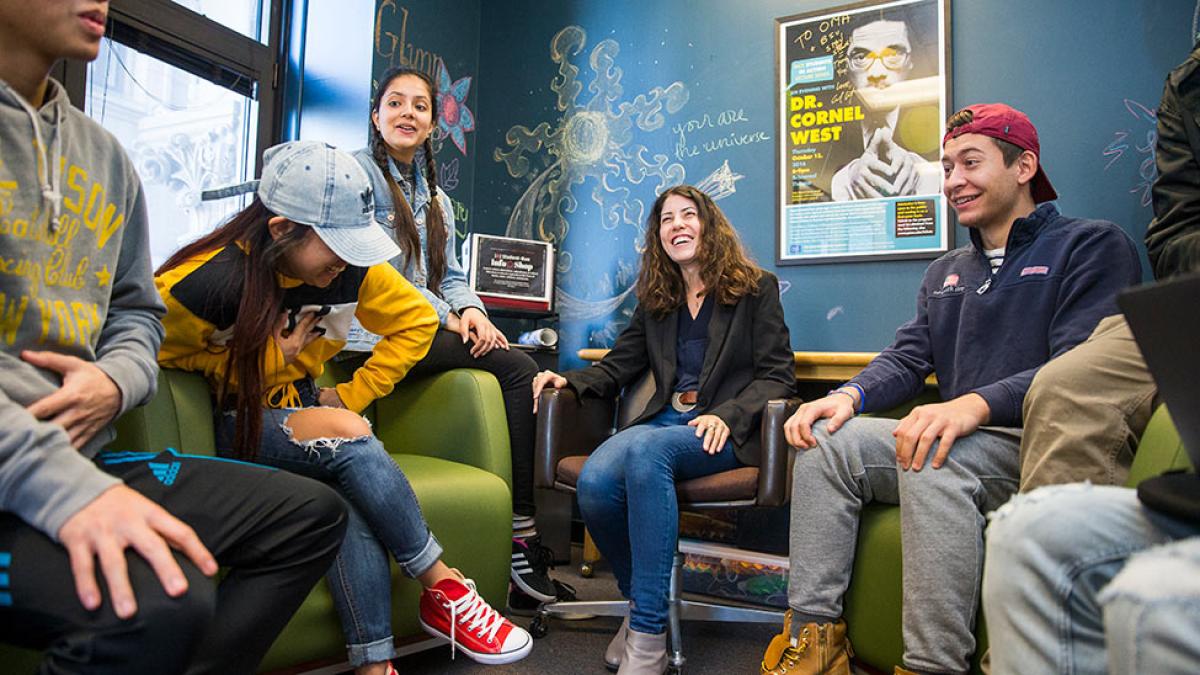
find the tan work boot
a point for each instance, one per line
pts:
(901, 671)
(616, 647)
(819, 649)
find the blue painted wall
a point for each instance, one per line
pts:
(1084, 71)
(1088, 73)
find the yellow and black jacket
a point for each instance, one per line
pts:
(202, 297)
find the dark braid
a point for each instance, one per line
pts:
(405, 228)
(435, 228)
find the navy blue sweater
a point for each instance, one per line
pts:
(988, 333)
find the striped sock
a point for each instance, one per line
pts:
(524, 527)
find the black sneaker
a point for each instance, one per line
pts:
(564, 592)
(520, 604)
(530, 561)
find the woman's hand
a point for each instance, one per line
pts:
(328, 397)
(292, 342)
(474, 324)
(546, 378)
(714, 430)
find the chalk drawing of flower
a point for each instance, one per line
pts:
(454, 117)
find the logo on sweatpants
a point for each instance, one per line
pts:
(165, 472)
(6, 599)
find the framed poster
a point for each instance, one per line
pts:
(512, 273)
(862, 96)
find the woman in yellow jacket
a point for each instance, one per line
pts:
(259, 306)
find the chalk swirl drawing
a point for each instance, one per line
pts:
(592, 141)
(1145, 129)
(455, 119)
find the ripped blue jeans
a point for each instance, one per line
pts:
(1085, 579)
(384, 517)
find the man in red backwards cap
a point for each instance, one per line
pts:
(1031, 284)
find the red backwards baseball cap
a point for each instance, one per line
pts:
(1008, 124)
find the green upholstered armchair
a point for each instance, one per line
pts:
(447, 433)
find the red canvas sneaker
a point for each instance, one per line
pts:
(453, 611)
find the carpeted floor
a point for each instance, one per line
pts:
(578, 646)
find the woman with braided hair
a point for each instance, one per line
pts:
(400, 161)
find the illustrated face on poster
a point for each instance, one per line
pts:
(862, 100)
(879, 55)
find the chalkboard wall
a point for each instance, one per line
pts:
(584, 110)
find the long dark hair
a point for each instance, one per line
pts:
(405, 230)
(259, 310)
(725, 268)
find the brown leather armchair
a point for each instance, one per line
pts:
(567, 432)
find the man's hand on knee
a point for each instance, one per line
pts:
(836, 407)
(944, 422)
(116, 520)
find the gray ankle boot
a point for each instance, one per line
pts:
(645, 654)
(616, 648)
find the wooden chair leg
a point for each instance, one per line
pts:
(591, 555)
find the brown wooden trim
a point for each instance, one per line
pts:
(810, 366)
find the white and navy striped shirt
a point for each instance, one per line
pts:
(995, 257)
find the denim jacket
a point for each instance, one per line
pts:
(455, 292)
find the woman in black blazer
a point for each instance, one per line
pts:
(710, 327)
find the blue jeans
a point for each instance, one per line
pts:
(1084, 579)
(384, 517)
(627, 497)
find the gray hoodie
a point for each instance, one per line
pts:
(75, 278)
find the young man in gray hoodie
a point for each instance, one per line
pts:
(79, 332)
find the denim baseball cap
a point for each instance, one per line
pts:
(1006, 123)
(315, 184)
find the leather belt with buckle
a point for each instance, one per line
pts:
(684, 401)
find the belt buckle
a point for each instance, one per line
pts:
(680, 406)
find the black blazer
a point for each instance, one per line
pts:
(748, 361)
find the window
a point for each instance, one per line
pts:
(191, 93)
(184, 134)
(248, 18)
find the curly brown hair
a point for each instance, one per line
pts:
(725, 268)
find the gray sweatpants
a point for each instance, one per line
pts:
(942, 521)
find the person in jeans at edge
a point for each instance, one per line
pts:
(1091, 579)
(78, 351)
(259, 306)
(1031, 285)
(400, 162)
